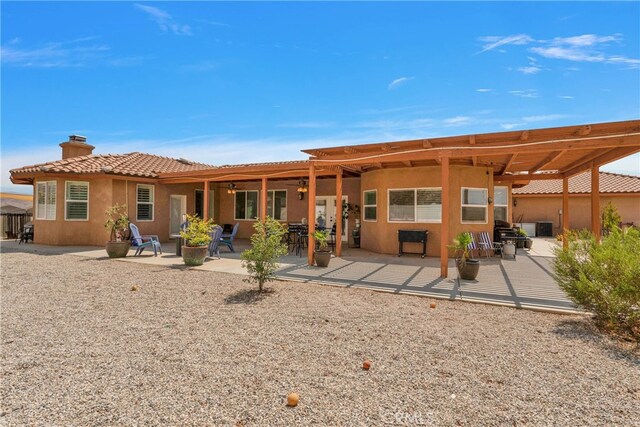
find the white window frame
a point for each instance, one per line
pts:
(152, 203)
(47, 189)
(67, 200)
(486, 205)
(273, 203)
(415, 206)
(364, 218)
(496, 205)
(246, 199)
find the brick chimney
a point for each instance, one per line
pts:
(76, 146)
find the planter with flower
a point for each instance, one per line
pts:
(117, 224)
(322, 255)
(467, 267)
(196, 237)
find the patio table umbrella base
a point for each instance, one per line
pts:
(194, 255)
(117, 249)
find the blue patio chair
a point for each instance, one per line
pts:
(140, 242)
(216, 236)
(486, 244)
(227, 239)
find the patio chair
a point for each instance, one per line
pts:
(141, 242)
(227, 239)
(473, 246)
(214, 246)
(487, 245)
(26, 234)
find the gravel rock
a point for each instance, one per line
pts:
(189, 347)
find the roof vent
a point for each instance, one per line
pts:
(185, 161)
(45, 168)
(78, 138)
(106, 168)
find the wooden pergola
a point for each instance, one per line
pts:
(515, 156)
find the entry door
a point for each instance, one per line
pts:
(327, 212)
(178, 210)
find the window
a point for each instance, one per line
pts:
(415, 205)
(474, 205)
(370, 205)
(500, 203)
(277, 204)
(76, 201)
(46, 200)
(246, 205)
(199, 208)
(144, 202)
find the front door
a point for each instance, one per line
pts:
(178, 211)
(327, 213)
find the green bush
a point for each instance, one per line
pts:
(611, 219)
(604, 278)
(197, 231)
(261, 261)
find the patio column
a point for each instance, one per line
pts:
(595, 201)
(339, 217)
(444, 222)
(565, 211)
(312, 212)
(205, 201)
(263, 200)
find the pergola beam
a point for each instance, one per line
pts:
(547, 160)
(509, 163)
(601, 159)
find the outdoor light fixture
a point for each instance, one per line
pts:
(302, 188)
(231, 189)
(515, 202)
(490, 199)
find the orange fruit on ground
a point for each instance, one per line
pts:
(293, 399)
(366, 365)
(432, 305)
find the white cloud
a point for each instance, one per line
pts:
(532, 69)
(398, 82)
(457, 120)
(526, 93)
(483, 90)
(164, 20)
(73, 53)
(544, 118)
(509, 126)
(492, 42)
(565, 96)
(586, 39)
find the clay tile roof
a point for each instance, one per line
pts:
(246, 165)
(609, 183)
(131, 164)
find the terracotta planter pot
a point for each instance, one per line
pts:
(322, 258)
(469, 269)
(117, 249)
(194, 255)
(528, 243)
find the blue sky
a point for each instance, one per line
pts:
(242, 82)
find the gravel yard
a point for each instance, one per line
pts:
(103, 342)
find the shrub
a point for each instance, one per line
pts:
(261, 261)
(197, 231)
(604, 278)
(117, 222)
(610, 218)
(321, 237)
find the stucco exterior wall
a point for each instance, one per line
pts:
(534, 208)
(381, 235)
(296, 209)
(103, 193)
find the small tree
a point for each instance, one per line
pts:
(603, 278)
(261, 261)
(611, 219)
(197, 232)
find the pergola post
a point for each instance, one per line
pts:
(595, 201)
(205, 201)
(444, 223)
(312, 212)
(565, 211)
(263, 200)
(339, 216)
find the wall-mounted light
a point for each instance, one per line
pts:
(515, 202)
(302, 188)
(231, 188)
(490, 199)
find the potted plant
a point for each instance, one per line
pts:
(352, 209)
(117, 224)
(467, 267)
(196, 240)
(522, 238)
(322, 255)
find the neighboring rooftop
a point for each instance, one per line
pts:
(131, 164)
(581, 184)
